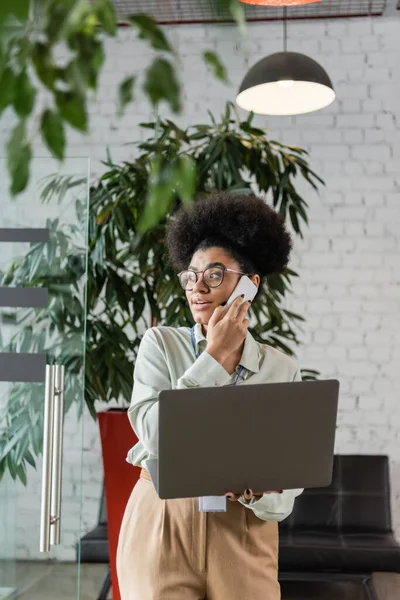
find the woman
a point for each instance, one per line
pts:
(168, 550)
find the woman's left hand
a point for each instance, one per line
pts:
(249, 494)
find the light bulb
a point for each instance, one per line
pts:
(285, 83)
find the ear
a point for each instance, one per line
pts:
(256, 279)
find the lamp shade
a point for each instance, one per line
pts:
(285, 83)
(279, 2)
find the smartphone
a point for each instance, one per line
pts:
(246, 287)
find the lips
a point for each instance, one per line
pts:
(200, 307)
(200, 304)
(199, 300)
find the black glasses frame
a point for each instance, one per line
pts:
(197, 273)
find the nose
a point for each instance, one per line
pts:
(200, 284)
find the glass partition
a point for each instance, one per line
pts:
(43, 263)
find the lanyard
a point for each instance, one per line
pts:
(239, 373)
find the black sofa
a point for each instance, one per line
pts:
(339, 533)
(342, 532)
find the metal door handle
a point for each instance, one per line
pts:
(48, 423)
(52, 457)
(58, 436)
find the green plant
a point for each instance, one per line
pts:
(31, 34)
(57, 331)
(130, 284)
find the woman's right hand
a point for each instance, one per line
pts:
(227, 329)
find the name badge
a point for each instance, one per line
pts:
(212, 504)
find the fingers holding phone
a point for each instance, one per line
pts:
(227, 332)
(228, 325)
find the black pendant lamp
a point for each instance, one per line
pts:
(285, 83)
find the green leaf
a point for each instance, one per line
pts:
(214, 63)
(24, 95)
(166, 180)
(93, 63)
(35, 263)
(52, 129)
(23, 51)
(179, 133)
(11, 466)
(309, 375)
(185, 178)
(109, 161)
(72, 109)
(2, 464)
(75, 73)
(21, 472)
(294, 220)
(80, 18)
(17, 8)
(96, 61)
(148, 125)
(227, 115)
(84, 68)
(43, 63)
(250, 118)
(213, 121)
(56, 17)
(20, 9)
(36, 439)
(19, 155)
(150, 31)
(293, 315)
(161, 84)
(7, 86)
(11, 443)
(237, 11)
(245, 126)
(302, 212)
(125, 93)
(159, 196)
(21, 450)
(105, 12)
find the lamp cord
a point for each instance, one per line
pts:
(285, 28)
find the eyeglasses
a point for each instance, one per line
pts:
(212, 277)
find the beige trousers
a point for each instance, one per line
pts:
(168, 550)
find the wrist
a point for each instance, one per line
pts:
(218, 354)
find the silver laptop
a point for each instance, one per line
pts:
(272, 436)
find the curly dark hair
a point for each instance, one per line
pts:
(244, 225)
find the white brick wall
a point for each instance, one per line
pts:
(349, 285)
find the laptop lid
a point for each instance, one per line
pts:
(152, 467)
(264, 437)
